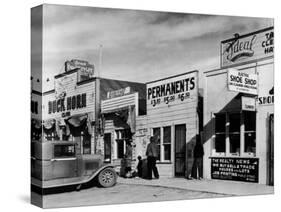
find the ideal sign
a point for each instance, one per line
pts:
(172, 90)
(247, 48)
(242, 82)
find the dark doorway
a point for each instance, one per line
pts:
(107, 147)
(180, 144)
(271, 151)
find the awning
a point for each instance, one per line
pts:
(49, 126)
(79, 123)
(36, 129)
(122, 117)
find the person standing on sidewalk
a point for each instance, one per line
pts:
(152, 154)
(198, 153)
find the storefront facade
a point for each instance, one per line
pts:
(172, 118)
(119, 114)
(69, 109)
(239, 110)
(74, 110)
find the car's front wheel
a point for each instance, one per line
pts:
(107, 177)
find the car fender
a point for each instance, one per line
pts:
(96, 173)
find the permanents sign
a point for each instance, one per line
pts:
(239, 169)
(247, 48)
(242, 82)
(171, 90)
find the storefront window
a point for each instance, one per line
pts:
(220, 133)
(122, 136)
(167, 143)
(250, 132)
(157, 135)
(234, 133)
(228, 125)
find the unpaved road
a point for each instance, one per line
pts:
(120, 193)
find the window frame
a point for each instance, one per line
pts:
(242, 133)
(162, 145)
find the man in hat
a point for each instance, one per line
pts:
(152, 154)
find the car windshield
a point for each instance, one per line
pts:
(64, 150)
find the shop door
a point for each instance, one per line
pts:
(107, 147)
(271, 151)
(180, 144)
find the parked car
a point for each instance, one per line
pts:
(57, 164)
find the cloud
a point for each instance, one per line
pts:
(152, 43)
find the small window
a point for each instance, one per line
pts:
(64, 150)
(167, 143)
(157, 135)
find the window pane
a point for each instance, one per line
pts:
(64, 150)
(234, 122)
(250, 142)
(250, 121)
(220, 123)
(86, 144)
(167, 135)
(234, 140)
(167, 152)
(157, 135)
(220, 143)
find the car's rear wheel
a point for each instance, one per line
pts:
(107, 177)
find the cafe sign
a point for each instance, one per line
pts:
(248, 47)
(242, 82)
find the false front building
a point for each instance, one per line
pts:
(239, 110)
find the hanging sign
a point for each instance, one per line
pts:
(248, 103)
(247, 48)
(242, 82)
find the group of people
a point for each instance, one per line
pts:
(152, 155)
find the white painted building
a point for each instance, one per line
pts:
(239, 110)
(172, 106)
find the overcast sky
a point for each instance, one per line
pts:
(137, 45)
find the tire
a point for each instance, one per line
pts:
(107, 177)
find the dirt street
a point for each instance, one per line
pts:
(121, 193)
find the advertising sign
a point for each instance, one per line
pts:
(248, 103)
(247, 48)
(117, 93)
(86, 70)
(266, 85)
(239, 169)
(242, 82)
(173, 90)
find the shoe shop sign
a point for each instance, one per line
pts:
(247, 48)
(238, 169)
(242, 82)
